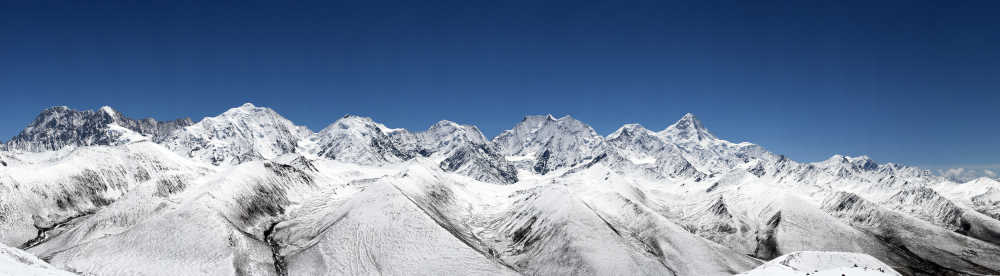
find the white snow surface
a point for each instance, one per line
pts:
(823, 264)
(14, 262)
(250, 193)
(241, 134)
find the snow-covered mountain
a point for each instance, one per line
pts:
(250, 193)
(241, 134)
(359, 140)
(457, 148)
(543, 143)
(58, 127)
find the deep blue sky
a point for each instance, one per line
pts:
(913, 82)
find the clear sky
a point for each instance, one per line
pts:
(912, 82)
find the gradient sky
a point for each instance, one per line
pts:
(912, 82)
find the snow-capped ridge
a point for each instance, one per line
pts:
(240, 134)
(361, 140)
(59, 126)
(675, 202)
(108, 110)
(542, 143)
(628, 129)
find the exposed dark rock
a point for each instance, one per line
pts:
(60, 126)
(767, 243)
(482, 162)
(541, 163)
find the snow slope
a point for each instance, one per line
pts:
(823, 264)
(14, 262)
(250, 193)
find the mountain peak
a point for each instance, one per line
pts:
(445, 123)
(445, 128)
(837, 158)
(246, 108)
(61, 126)
(627, 129)
(353, 121)
(551, 143)
(57, 108)
(240, 134)
(689, 121)
(688, 127)
(108, 110)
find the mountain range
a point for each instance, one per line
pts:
(249, 192)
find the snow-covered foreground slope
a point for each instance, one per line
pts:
(250, 193)
(823, 264)
(14, 262)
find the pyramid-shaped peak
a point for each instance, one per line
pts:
(628, 130)
(688, 127)
(689, 121)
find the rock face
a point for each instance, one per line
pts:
(464, 150)
(241, 134)
(543, 143)
(60, 126)
(482, 162)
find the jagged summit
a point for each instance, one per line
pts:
(688, 128)
(60, 126)
(543, 143)
(285, 200)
